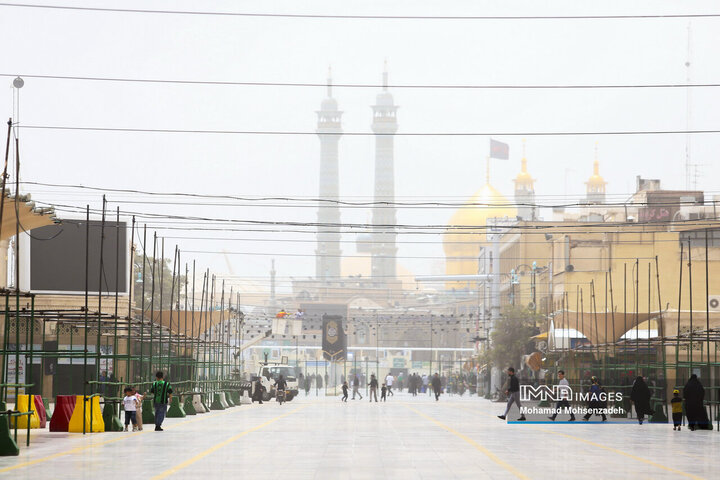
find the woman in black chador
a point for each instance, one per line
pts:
(694, 394)
(640, 396)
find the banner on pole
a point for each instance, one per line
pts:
(334, 339)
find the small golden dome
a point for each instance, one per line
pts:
(523, 178)
(596, 183)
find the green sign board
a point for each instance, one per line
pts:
(398, 363)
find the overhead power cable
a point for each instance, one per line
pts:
(403, 242)
(362, 85)
(460, 202)
(426, 257)
(375, 228)
(368, 134)
(358, 17)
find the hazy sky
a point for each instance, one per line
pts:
(516, 52)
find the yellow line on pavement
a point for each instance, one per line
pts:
(222, 444)
(472, 442)
(598, 445)
(93, 445)
(620, 452)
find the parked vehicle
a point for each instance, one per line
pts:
(268, 374)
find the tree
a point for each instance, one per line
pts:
(168, 284)
(511, 337)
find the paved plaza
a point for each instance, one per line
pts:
(407, 437)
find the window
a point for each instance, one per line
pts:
(697, 238)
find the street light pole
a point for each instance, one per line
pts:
(377, 345)
(431, 344)
(512, 285)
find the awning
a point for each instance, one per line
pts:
(602, 327)
(23, 215)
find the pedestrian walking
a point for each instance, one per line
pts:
(373, 387)
(138, 409)
(436, 386)
(676, 403)
(694, 394)
(596, 404)
(345, 391)
(356, 387)
(564, 390)
(389, 383)
(162, 395)
(513, 393)
(640, 396)
(258, 391)
(130, 406)
(383, 393)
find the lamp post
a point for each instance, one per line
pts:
(377, 345)
(18, 83)
(431, 344)
(514, 280)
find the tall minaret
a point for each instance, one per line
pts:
(596, 184)
(329, 130)
(525, 192)
(384, 216)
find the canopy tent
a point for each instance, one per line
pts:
(609, 327)
(602, 327)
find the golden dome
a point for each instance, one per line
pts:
(462, 245)
(523, 178)
(596, 183)
(486, 203)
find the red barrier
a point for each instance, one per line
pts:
(40, 408)
(64, 406)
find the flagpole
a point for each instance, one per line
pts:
(487, 170)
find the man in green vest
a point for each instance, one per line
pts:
(162, 395)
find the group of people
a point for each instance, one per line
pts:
(132, 403)
(417, 384)
(305, 382)
(259, 391)
(386, 389)
(640, 396)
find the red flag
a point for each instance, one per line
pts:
(499, 150)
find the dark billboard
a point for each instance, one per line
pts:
(334, 340)
(57, 257)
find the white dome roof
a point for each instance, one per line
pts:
(385, 99)
(329, 104)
